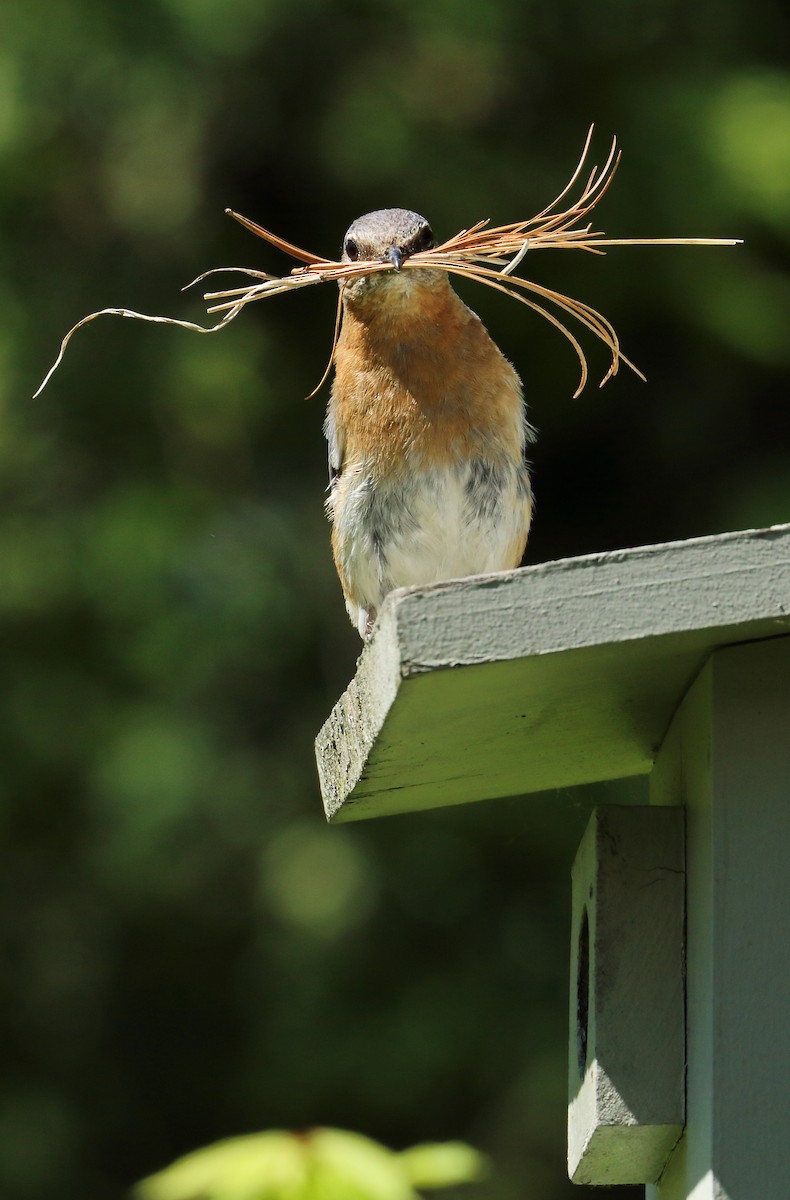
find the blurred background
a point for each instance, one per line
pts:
(188, 952)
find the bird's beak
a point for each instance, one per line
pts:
(396, 257)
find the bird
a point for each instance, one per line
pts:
(426, 428)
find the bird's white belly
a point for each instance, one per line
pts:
(445, 523)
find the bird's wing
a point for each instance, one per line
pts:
(335, 448)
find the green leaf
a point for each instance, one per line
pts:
(443, 1164)
(322, 1164)
(262, 1166)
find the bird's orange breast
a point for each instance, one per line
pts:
(419, 382)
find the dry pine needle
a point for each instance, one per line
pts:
(489, 255)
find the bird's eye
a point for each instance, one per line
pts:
(424, 239)
(352, 249)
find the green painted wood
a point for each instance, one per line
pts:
(626, 1060)
(727, 760)
(559, 674)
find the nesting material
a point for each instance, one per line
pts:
(488, 254)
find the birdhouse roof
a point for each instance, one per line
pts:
(554, 675)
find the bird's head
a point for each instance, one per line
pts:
(389, 235)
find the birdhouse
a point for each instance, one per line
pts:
(668, 661)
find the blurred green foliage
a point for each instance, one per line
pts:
(189, 953)
(315, 1164)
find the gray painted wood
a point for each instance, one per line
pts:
(559, 674)
(626, 1061)
(727, 760)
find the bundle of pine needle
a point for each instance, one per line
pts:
(488, 255)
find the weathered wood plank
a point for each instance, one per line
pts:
(554, 675)
(727, 761)
(626, 1061)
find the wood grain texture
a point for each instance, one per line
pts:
(564, 673)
